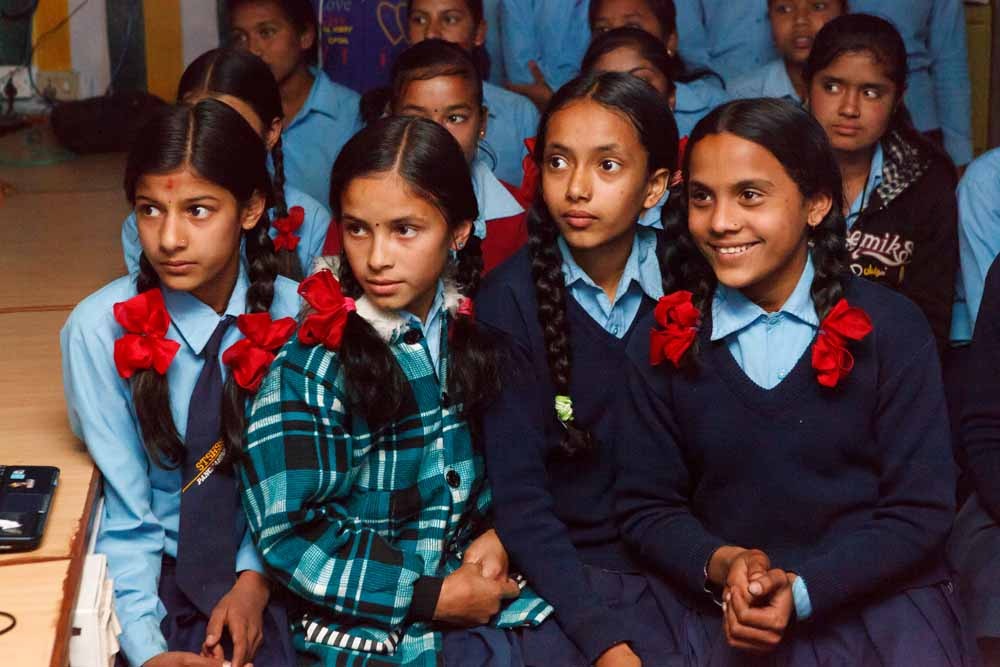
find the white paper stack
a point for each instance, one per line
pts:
(95, 627)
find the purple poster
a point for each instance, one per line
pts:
(360, 38)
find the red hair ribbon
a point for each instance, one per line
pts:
(830, 356)
(466, 308)
(145, 320)
(529, 182)
(678, 322)
(326, 325)
(250, 357)
(287, 239)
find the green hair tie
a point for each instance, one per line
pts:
(564, 408)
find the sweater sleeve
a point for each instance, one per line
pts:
(655, 484)
(930, 276)
(297, 481)
(536, 539)
(980, 410)
(913, 513)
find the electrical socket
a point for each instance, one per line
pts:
(63, 85)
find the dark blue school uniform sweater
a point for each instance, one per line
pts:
(981, 398)
(554, 513)
(852, 488)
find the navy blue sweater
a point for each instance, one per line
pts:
(554, 513)
(852, 487)
(981, 398)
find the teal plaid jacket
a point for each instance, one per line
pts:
(359, 524)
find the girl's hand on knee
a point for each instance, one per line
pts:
(241, 611)
(488, 551)
(468, 598)
(619, 655)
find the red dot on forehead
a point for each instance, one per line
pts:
(170, 184)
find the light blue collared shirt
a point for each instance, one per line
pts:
(495, 201)
(871, 185)
(641, 276)
(431, 328)
(311, 234)
(695, 100)
(978, 239)
(555, 34)
(142, 500)
(728, 37)
(493, 45)
(512, 118)
(938, 91)
(767, 346)
(771, 80)
(312, 141)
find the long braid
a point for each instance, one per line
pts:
(550, 293)
(288, 260)
(831, 261)
(263, 270)
(475, 373)
(151, 397)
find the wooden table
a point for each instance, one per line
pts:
(59, 241)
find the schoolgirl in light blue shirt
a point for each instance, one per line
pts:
(192, 227)
(730, 38)
(771, 80)
(552, 34)
(938, 90)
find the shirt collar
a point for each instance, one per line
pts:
(195, 320)
(494, 200)
(733, 312)
(777, 82)
(436, 310)
(642, 267)
(871, 185)
(323, 98)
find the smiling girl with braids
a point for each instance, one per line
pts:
(566, 306)
(162, 418)
(787, 452)
(364, 485)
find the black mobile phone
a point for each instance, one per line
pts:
(25, 495)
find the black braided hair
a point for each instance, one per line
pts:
(429, 159)
(650, 116)
(799, 143)
(214, 141)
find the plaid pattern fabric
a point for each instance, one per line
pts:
(348, 519)
(904, 165)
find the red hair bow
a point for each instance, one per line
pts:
(678, 322)
(830, 356)
(322, 291)
(146, 320)
(466, 308)
(250, 357)
(529, 182)
(287, 239)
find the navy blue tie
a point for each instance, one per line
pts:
(206, 541)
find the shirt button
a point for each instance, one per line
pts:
(453, 479)
(412, 337)
(781, 375)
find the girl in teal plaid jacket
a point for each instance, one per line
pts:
(362, 485)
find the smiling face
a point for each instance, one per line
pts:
(794, 24)
(749, 219)
(853, 99)
(189, 229)
(595, 179)
(262, 28)
(449, 101)
(449, 20)
(396, 242)
(629, 60)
